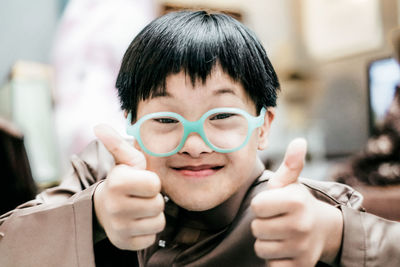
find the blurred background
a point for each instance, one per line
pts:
(60, 58)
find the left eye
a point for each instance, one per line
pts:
(165, 120)
(221, 116)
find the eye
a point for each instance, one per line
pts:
(165, 120)
(221, 116)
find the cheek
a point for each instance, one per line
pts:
(253, 144)
(156, 164)
(242, 161)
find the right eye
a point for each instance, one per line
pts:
(221, 116)
(165, 120)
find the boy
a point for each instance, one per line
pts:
(198, 91)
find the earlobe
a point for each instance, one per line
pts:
(265, 128)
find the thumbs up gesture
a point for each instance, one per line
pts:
(128, 204)
(292, 228)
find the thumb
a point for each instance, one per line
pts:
(122, 151)
(292, 164)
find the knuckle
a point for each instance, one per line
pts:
(115, 178)
(142, 242)
(257, 204)
(139, 227)
(259, 249)
(302, 226)
(297, 202)
(255, 207)
(159, 203)
(153, 183)
(147, 226)
(255, 227)
(161, 223)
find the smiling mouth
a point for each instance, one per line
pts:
(198, 171)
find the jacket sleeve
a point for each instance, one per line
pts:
(30, 234)
(87, 168)
(368, 240)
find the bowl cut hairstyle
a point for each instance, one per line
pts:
(195, 42)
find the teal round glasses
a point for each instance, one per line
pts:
(224, 130)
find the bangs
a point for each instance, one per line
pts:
(193, 43)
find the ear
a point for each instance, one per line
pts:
(263, 131)
(125, 114)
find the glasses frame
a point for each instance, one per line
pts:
(194, 127)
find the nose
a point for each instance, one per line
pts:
(194, 146)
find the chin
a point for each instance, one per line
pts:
(199, 197)
(197, 205)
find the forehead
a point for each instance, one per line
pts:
(218, 84)
(188, 98)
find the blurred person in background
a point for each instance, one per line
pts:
(90, 42)
(375, 171)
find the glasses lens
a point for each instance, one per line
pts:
(161, 134)
(226, 130)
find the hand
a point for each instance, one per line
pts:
(128, 204)
(292, 228)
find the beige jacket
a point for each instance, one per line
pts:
(56, 229)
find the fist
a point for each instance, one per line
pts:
(292, 228)
(128, 204)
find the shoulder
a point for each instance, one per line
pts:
(331, 192)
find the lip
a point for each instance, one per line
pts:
(197, 171)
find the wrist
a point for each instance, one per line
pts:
(98, 230)
(333, 219)
(97, 204)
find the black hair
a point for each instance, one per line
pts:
(195, 42)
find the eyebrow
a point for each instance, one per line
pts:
(161, 94)
(224, 91)
(216, 92)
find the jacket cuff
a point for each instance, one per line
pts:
(354, 238)
(63, 228)
(84, 217)
(98, 232)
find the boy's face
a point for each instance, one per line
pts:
(198, 178)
